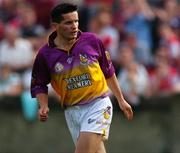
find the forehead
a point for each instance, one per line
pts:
(70, 16)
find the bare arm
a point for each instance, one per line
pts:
(115, 88)
(43, 106)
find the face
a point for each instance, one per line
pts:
(67, 29)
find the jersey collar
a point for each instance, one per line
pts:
(53, 35)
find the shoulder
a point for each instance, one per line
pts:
(90, 38)
(43, 52)
(45, 48)
(89, 35)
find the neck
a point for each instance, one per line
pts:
(64, 44)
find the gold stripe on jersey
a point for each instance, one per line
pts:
(80, 84)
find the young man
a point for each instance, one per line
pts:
(80, 71)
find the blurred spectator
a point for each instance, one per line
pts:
(164, 79)
(119, 16)
(7, 10)
(138, 18)
(175, 25)
(167, 10)
(15, 51)
(29, 28)
(1, 30)
(102, 26)
(133, 76)
(107, 2)
(131, 40)
(10, 82)
(43, 8)
(170, 39)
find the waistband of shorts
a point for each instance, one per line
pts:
(87, 103)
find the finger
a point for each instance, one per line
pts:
(43, 118)
(43, 112)
(43, 115)
(129, 114)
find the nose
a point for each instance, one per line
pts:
(75, 25)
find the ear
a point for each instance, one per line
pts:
(54, 26)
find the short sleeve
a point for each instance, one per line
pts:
(105, 61)
(40, 76)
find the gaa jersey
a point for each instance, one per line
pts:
(78, 75)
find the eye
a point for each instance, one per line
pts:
(76, 21)
(68, 22)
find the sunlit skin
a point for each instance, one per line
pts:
(67, 30)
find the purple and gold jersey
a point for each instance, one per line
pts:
(78, 76)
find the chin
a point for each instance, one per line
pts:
(73, 37)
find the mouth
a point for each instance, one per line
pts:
(74, 32)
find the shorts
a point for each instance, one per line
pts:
(93, 117)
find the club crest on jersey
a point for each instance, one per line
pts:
(59, 67)
(83, 59)
(69, 60)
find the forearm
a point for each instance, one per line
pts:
(116, 90)
(114, 86)
(42, 99)
(43, 103)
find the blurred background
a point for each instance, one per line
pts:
(143, 37)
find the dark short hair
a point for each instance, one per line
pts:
(60, 9)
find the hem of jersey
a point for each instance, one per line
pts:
(93, 100)
(105, 95)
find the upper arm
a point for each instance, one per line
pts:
(40, 76)
(105, 61)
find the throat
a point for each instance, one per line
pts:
(64, 45)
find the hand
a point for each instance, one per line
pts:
(127, 110)
(43, 113)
